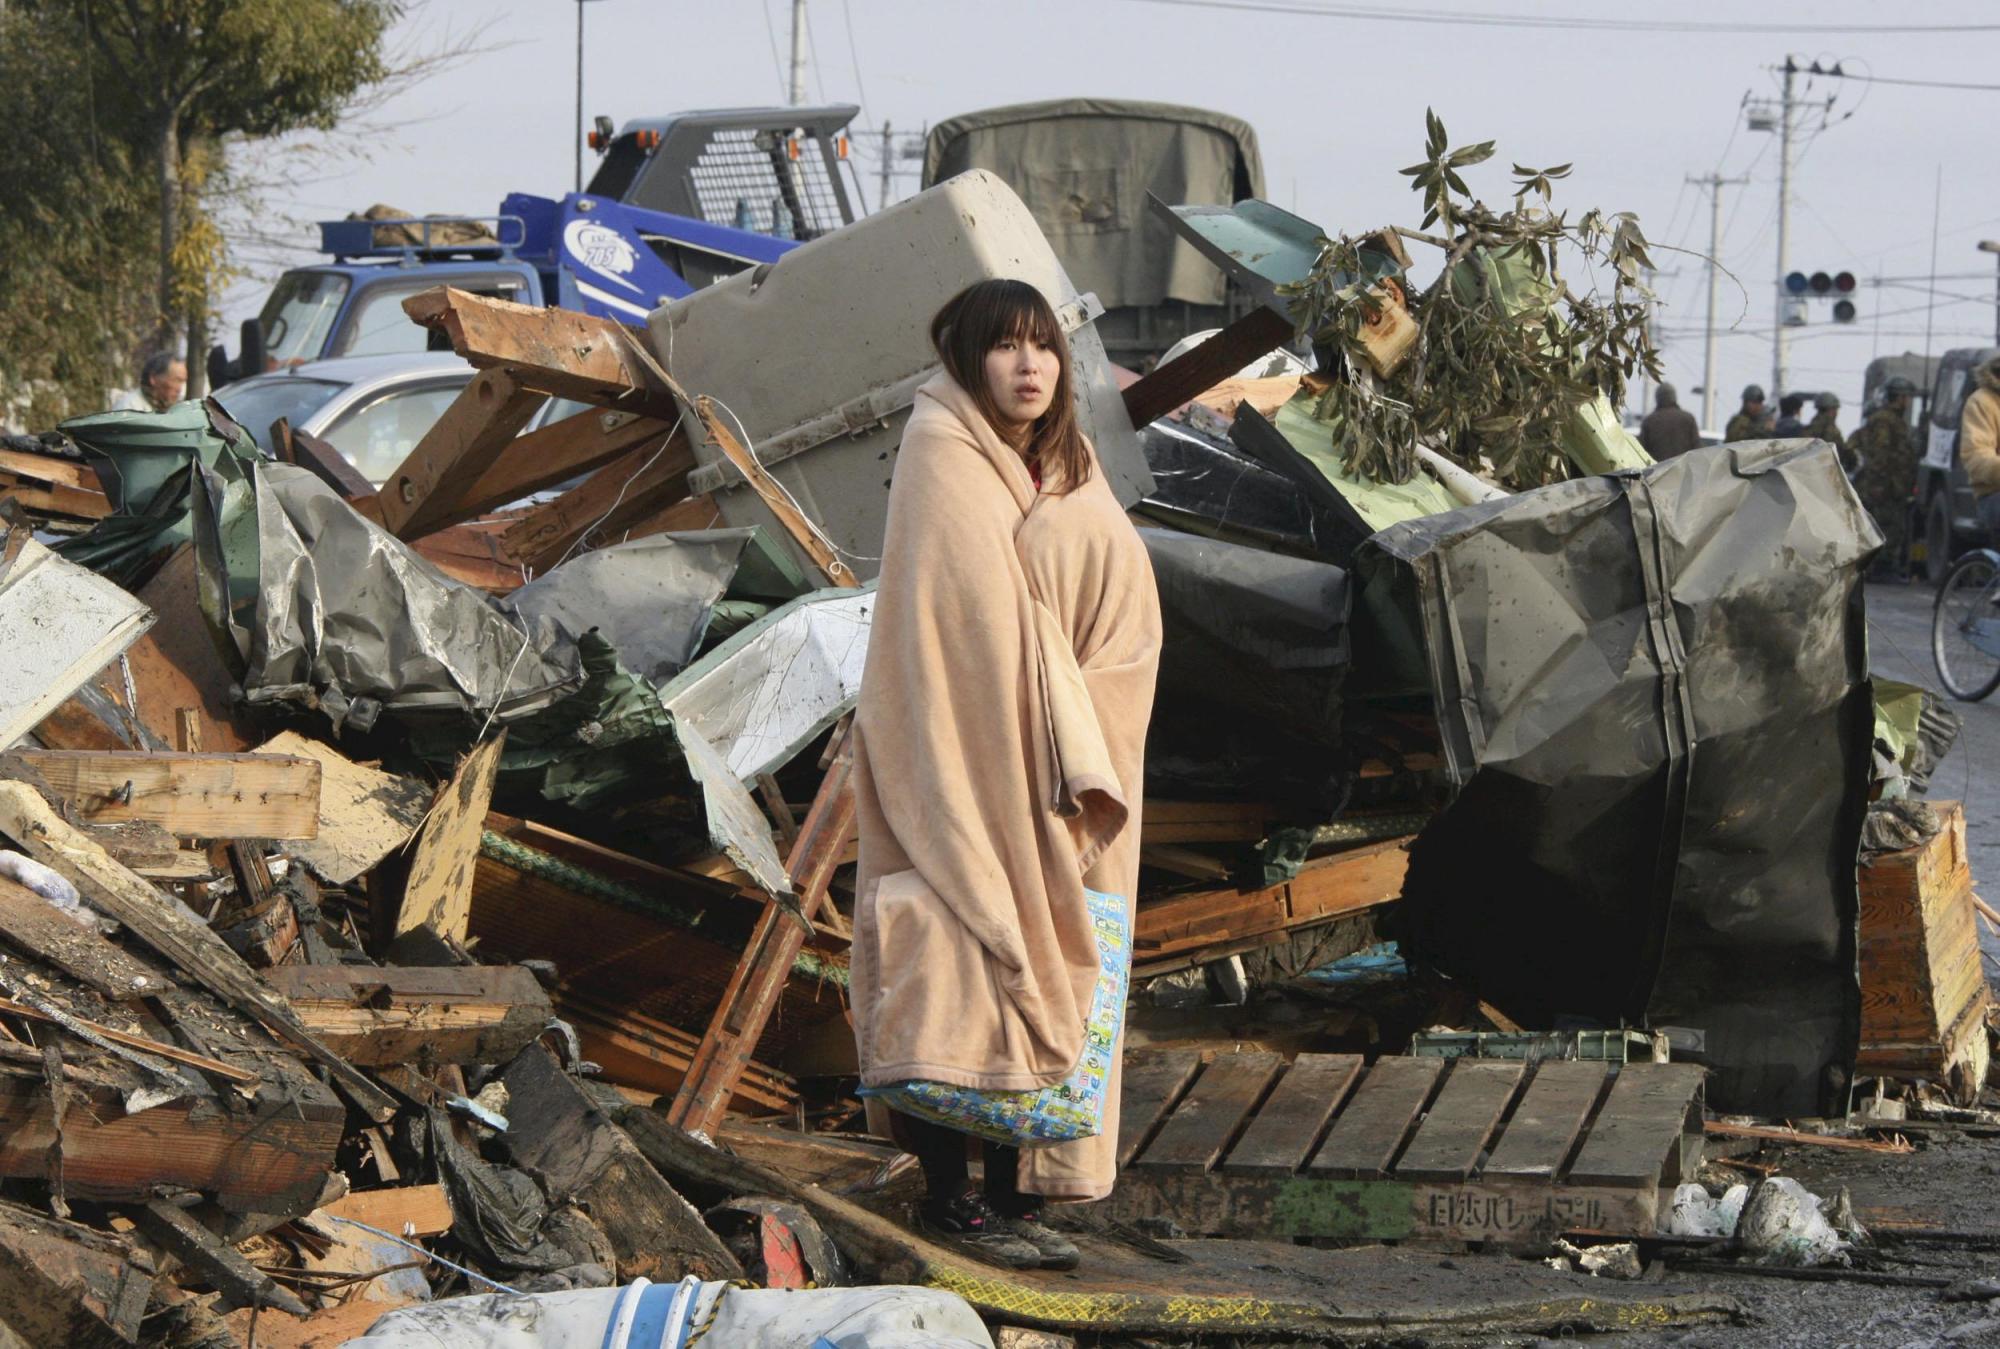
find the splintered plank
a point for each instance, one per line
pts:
(558, 351)
(1547, 1121)
(395, 1014)
(621, 493)
(191, 795)
(1455, 1130)
(461, 445)
(1153, 1086)
(364, 813)
(1280, 1139)
(1368, 1133)
(31, 924)
(64, 1283)
(1201, 1130)
(1640, 1125)
(173, 931)
(438, 894)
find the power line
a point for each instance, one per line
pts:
(1915, 84)
(854, 56)
(1545, 22)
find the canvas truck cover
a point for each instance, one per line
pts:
(1653, 694)
(1084, 166)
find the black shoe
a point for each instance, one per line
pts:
(1056, 1250)
(968, 1221)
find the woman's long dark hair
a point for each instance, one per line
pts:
(978, 319)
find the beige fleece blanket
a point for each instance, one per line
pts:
(1002, 723)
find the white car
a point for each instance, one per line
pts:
(373, 409)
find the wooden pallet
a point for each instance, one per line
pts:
(1467, 1150)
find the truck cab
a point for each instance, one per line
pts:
(1944, 494)
(679, 202)
(353, 305)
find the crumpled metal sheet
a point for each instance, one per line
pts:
(351, 620)
(650, 598)
(764, 694)
(735, 825)
(147, 463)
(1653, 694)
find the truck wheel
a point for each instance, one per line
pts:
(1937, 539)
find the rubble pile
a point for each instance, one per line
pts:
(415, 895)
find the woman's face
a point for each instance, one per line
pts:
(1021, 375)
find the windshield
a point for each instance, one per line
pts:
(257, 402)
(299, 314)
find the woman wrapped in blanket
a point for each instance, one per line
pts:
(1002, 726)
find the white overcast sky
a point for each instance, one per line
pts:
(1338, 104)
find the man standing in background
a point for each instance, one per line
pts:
(1750, 423)
(1669, 429)
(1822, 427)
(1889, 476)
(162, 383)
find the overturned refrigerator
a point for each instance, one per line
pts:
(1653, 696)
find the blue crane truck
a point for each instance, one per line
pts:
(676, 203)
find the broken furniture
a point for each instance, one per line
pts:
(1924, 996)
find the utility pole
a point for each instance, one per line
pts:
(1715, 182)
(579, 97)
(798, 52)
(888, 154)
(1778, 332)
(1993, 246)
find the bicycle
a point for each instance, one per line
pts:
(1965, 626)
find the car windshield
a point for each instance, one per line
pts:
(258, 402)
(299, 314)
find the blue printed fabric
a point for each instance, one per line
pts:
(1065, 1111)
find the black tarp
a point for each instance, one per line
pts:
(1653, 694)
(1253, 654)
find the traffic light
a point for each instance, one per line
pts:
(1822, 286)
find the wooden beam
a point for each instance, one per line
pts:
(550, 455)
(62, 1283)
(760, 975)
(1198, 368)
(270, 1154)
(417, 1014)
(191, 795)
(627, 490)
(1205, 821)
(422, 1208)
(32, 925)
(438, 894)
(651, 1056)
(144, 1043)
(56, 499)
(462, 444)
(173, 931)
(50, 469)
(557, 1132)
(1328, 887)
(319, 458)
(776, 500)
(203, 1255)
(558, 351)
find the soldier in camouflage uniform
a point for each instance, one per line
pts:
(1823, 427)
(1753, 422)
(1889, 474)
